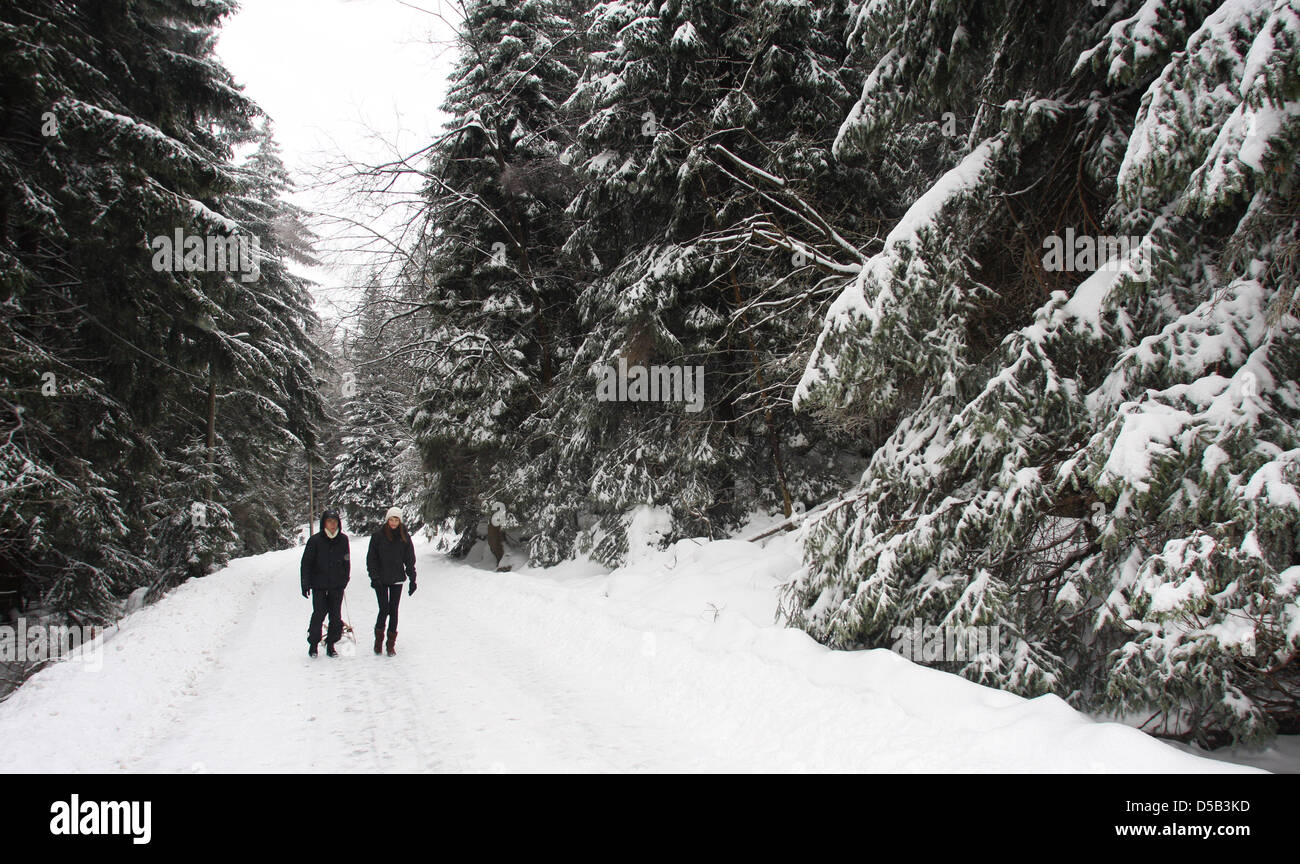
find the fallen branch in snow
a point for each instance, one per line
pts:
(834, 504)
(827, 507)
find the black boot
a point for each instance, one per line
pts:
(329, 650)
(311, 650)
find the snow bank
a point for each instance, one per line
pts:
(695, 626)
(76, 716)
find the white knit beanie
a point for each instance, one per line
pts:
(393, 511)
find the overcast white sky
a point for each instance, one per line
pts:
(342, 78)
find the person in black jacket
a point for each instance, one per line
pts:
(390, 561)
(326, 563)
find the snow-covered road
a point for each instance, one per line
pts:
(566, 670)
(465, 693)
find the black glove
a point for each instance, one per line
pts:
(411, 590)
(374, 584)
(306, 592)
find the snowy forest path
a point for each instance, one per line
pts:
(467, 692)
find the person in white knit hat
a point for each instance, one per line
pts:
(390, 562)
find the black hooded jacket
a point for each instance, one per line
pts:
(391, 557)
(325, 562)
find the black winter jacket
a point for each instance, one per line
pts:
(326, 563)
(391, 558)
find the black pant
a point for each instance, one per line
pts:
(388, 597)
(323, 602)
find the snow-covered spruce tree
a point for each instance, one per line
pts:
(378, 462)
(118, 125)
(1113, 483)
(262, 405)
(1198, 450)
(193, 533)
(270, 402)
(112, 113)
(495, 291)
(683, 112)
